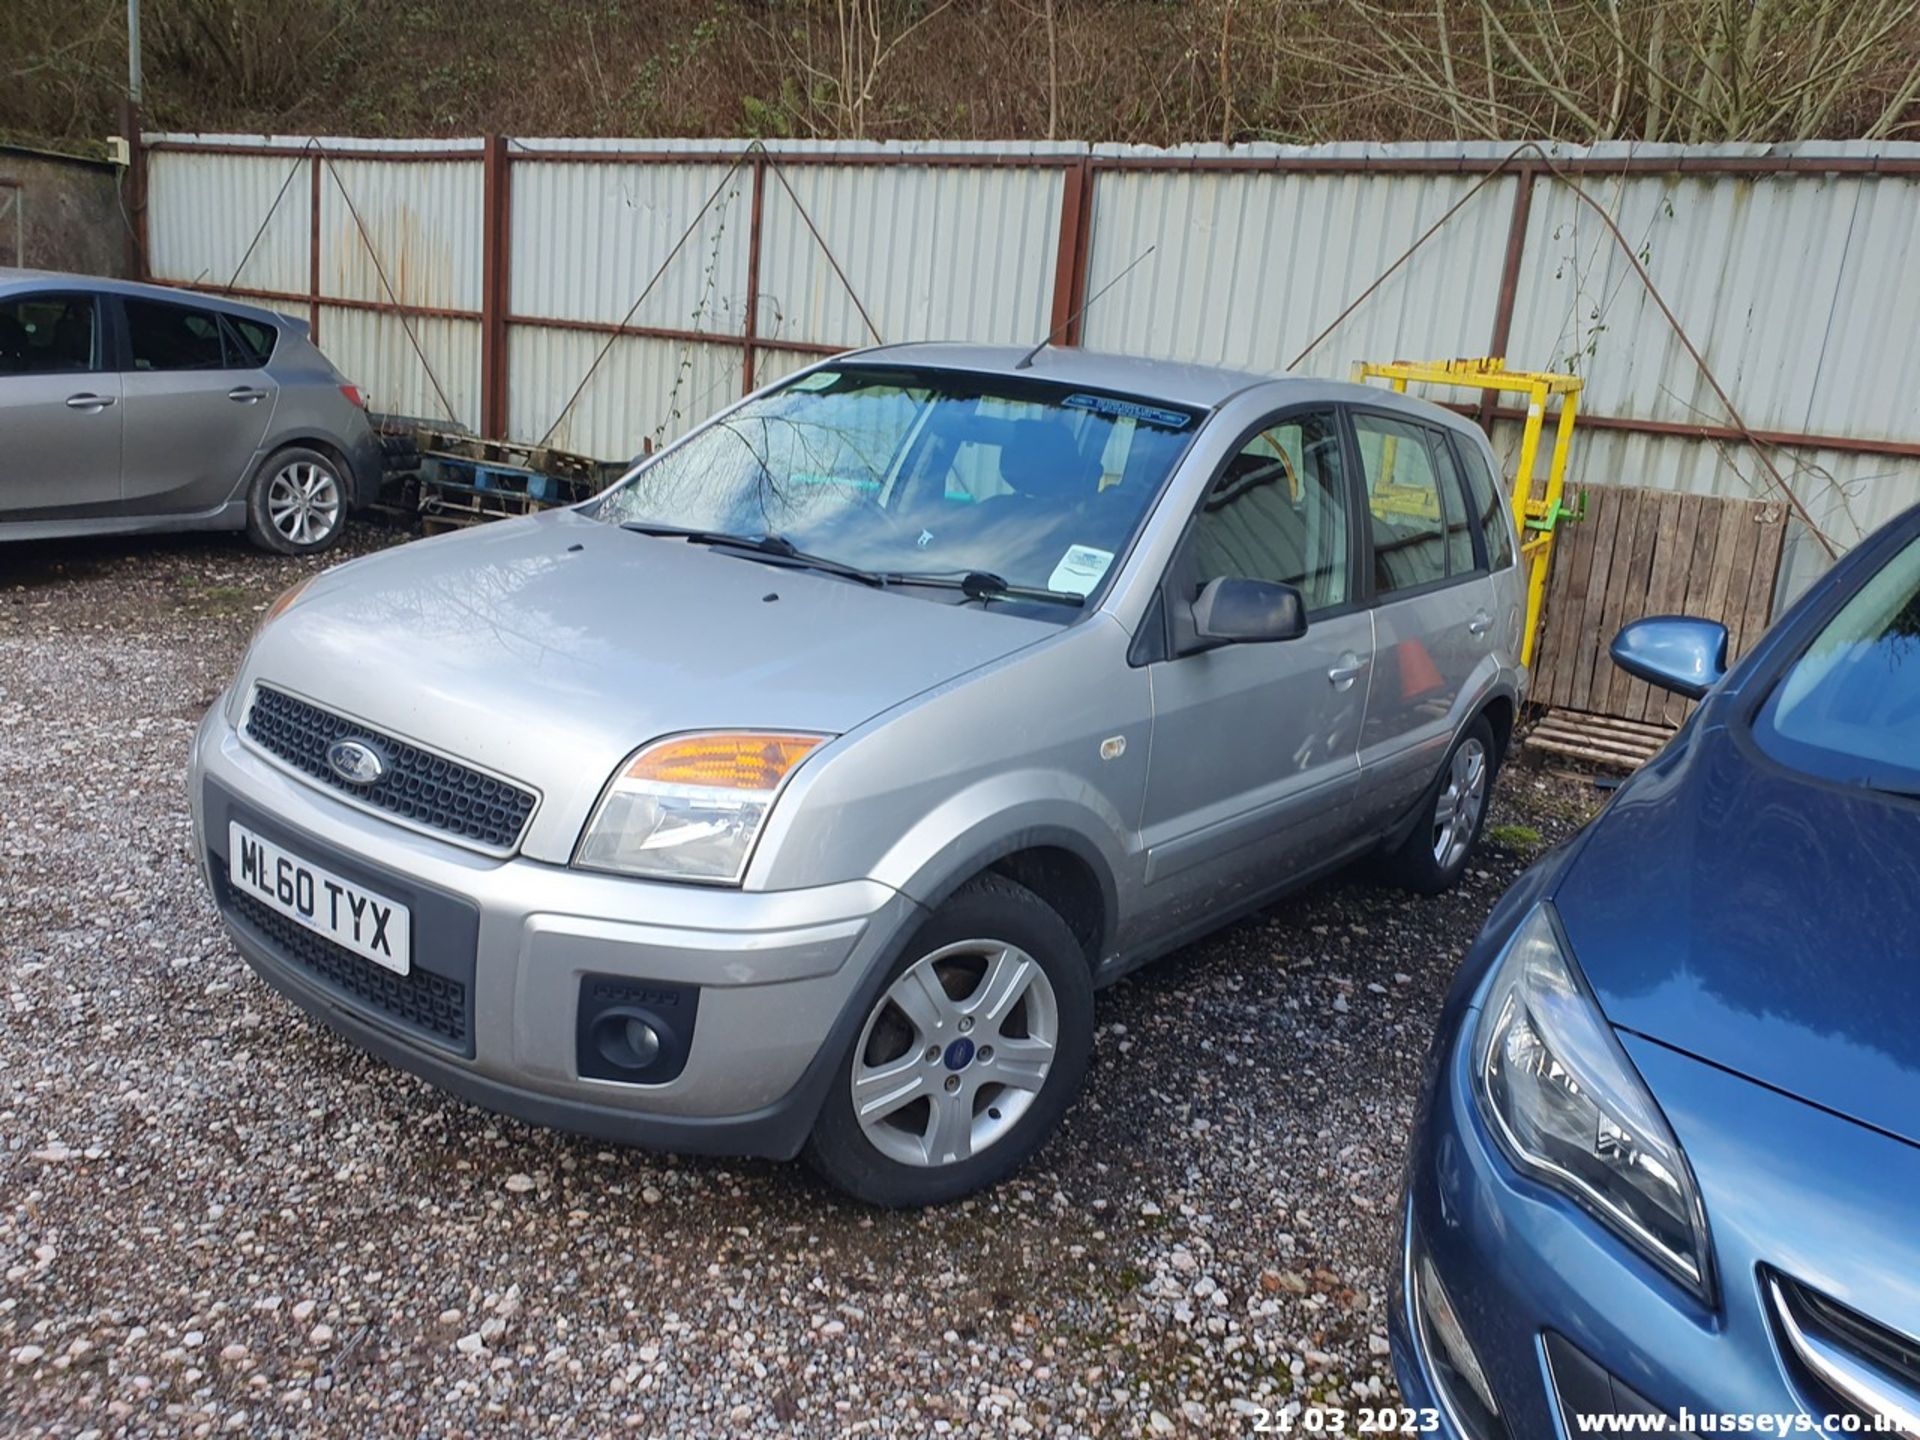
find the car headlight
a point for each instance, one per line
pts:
(691, 807)
(282, 603)
(1570, 1109)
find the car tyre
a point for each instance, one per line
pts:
(962, 1079)
(1452, 814)
(297, 503)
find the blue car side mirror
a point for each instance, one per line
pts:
(1675, 652)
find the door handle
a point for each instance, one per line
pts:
(1346, 672)
(1480, 624)
(90, 403)
(246, 395)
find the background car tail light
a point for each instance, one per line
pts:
(352, 392)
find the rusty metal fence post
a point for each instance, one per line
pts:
(496, 283)
(313, 250)
(750, 325)
(1523, 178)
(1070, 259)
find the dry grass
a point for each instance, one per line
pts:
(1144, 71)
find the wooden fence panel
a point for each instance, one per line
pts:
(1650, 552)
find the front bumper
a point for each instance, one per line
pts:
(1565, 1319)
(510, 943)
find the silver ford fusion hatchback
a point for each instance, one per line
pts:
(131, 407)
(799, 792)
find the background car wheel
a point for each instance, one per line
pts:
(297, 504)
(1452, 815)
(965, 1063)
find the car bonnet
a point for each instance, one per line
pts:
(546, 651)
(1764, 921)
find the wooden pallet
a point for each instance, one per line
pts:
(1604, 740)
(455, 479)
(1650, 552)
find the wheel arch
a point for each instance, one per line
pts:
(307, 440)
(1065, 869)
(1500, 712)
(1500, 709)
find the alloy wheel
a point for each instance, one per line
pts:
(954, 1053)
(1456, 814)
(303, 502)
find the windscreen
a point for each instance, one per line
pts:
(926, 472)
(1849, 709)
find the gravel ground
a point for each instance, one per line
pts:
(218, 1217)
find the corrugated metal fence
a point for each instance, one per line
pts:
(481, 280)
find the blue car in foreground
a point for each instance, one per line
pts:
(1668, 1159)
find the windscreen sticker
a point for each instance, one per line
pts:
(818, 380)
(1079, 570)
(1130, 410)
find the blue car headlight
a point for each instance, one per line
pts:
(1568, 1107)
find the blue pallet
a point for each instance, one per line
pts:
(483, 477)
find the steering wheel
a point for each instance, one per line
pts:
(892, 521)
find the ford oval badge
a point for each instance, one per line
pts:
(357, 762)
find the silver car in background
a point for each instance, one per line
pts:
(799, 792)
(131, 407)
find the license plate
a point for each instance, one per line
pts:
(352, 916)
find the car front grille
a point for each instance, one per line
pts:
(1869, 1367)
(431, 1005)
(422, 788)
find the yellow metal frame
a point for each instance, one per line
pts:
(1540, 515)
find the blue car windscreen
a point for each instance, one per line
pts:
(1849, 708)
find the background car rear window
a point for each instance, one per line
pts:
(48, 335)
(249, 343)
(173, 337)
(1849, 709)
(1279, 512)
(1416, 511)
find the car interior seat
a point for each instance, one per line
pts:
(72, 347)
(13, 344)
(1041, 460)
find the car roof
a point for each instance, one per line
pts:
(13, 280)
(1206, 387)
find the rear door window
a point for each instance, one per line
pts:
(1416, 512)
(1484, 495)
(249, 344)
(1461, 555)
(174, 337)
(49, 335)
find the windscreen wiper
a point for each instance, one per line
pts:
(984, 585)
(776, 546)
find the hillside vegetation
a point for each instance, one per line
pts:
(1144, 71)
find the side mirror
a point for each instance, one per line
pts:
(1675, 652)
(1233, 611)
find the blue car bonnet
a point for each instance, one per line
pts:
(1763, 921)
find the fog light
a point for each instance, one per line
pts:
(643, 1041)
(1448, 1347)
(627, 1040)
(634, 1031)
